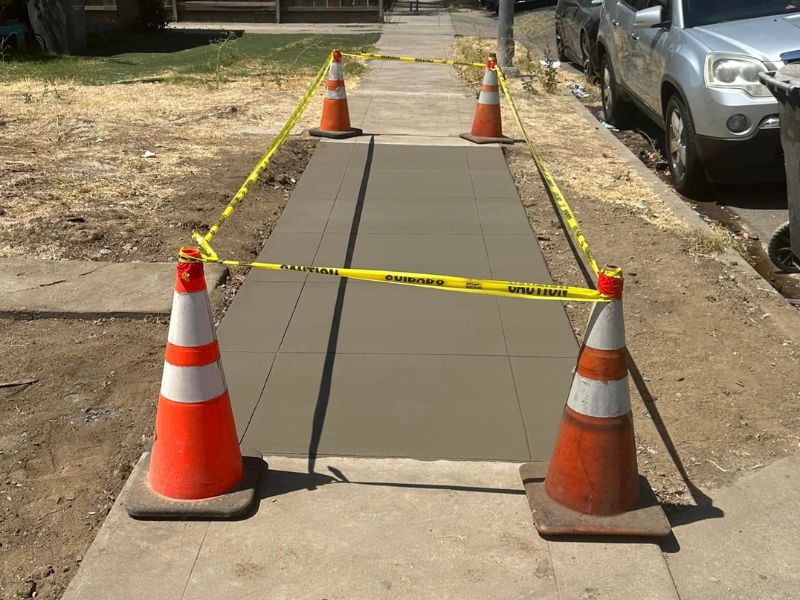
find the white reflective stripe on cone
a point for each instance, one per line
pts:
(490, 78)
(489, 98)
(336, 72)
(337, 94)
(192, 384)
(599, 398)
(191, 323)
(606, 327)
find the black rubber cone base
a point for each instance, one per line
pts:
(486, 140)
(142, 502)
(336, 135)
(552, 519)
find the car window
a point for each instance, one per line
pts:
(707, 12)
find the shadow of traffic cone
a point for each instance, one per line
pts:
(592, 485)
(195, 468)
(487, 126)
(335, 122)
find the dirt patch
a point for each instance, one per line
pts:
(69, 440)
(77, 185)
(717, 368)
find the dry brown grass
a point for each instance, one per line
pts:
(69, 149)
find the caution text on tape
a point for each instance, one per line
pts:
(490, 287)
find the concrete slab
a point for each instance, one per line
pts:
(137, 559)
(431, 183)
(258, 318)
(463, 255)
(356, 529)
(246, 374)
(389, 319)
(538, 380)
(612, 571)
(86, 289)
(286, 247)
(391, 405)
(484, 157)
(502, 216)
(415, 214)
(751, 553)
(435, 538)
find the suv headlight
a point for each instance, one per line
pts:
(735, 71)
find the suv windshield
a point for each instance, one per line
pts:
(708, 12)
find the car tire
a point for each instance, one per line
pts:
(561, 48)
(779, 250)
(617, 111)
(680, 142)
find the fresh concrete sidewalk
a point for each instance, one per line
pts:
(318, 365)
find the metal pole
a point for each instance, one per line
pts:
(505, 36)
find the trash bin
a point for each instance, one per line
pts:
(60, 23)
(785, 86)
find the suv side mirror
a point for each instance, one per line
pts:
(649, 17)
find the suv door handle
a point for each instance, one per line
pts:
(635, 37)
(615, 23)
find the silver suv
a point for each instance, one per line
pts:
(693, 67)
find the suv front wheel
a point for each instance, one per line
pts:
(617, 111)
(681, 145)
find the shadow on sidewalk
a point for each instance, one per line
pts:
(278, 483)
(323, 397)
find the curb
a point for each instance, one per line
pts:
(766, 297)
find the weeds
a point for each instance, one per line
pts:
(546, 72)
(708, 243)
(225, 56)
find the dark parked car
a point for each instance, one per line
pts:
(576, 31)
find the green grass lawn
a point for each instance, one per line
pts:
(185, 55)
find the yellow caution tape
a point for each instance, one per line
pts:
(509, 289)
(555, 192)
(489, 287)
(252, 178)
(431, 61)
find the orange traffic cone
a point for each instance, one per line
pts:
(335, 122)
(592, 485)
(195, 466)
(487, 127)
